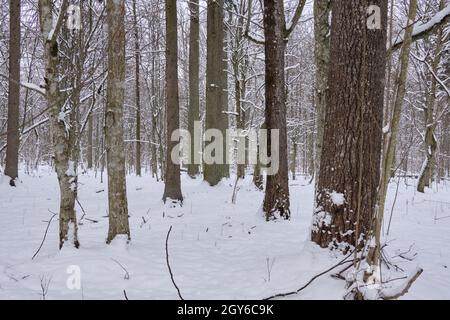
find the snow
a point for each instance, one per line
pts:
(424, 27)
(337, 198)
(217, 250)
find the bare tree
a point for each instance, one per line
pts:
(117, 192)
(194, 82)
(137, 58)
(172, 175)
(216, 116)
(62, 135)
(276, 201)
(12, 150)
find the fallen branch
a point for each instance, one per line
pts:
(168, 264)
(391, 294)
(280, 295)
(45, 234)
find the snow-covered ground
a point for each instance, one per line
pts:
(218, 250)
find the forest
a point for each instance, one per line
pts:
(224, 149)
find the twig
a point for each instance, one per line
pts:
(82, 209)
(125, 294)
(168, 264)
(280, 295)
(45, 234)
(127, 274)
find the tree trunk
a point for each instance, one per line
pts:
(172, 181)
(349, 168)
(137, 58)
(194, 80)
(12, 149)
(430, 141)
(276, 201)
(322, 58)
(66, 170)
(215, 118)
(115, 151)
(390, 139)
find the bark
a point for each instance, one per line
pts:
(276, 201)
(117, 192)
(350, 163)
(239, 64)
(13, 135)
(215, 116)
(194, 80)
(66, 170)
(322, 58)
(137, 58)
(172, 174)
(90, 131)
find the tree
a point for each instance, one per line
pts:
(430, 142)
(349, 168)
(277, 33)
(117, 192)
(322, 58)
(172, 180)
(12, 150)
(194, 68)
(216, 116)
(276, 200)
(62, 134)
(137, 58)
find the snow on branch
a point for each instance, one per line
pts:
(422, 30)
(28, 85)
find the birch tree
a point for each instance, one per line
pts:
(65, 165)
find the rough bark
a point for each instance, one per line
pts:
(66, 170)
(194, 80)
(13, 135)
(276, 200)
(322, 58)
(115, 151)
(350, 163)
(172, 174)
(215, 116)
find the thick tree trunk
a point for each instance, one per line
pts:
(215, 116)
(194, 80)
(322, 58)
(350, 163)
(115, 151)
(66, 170)
(172, 180)
(137, 58)
(12, 149)
(276, 201)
